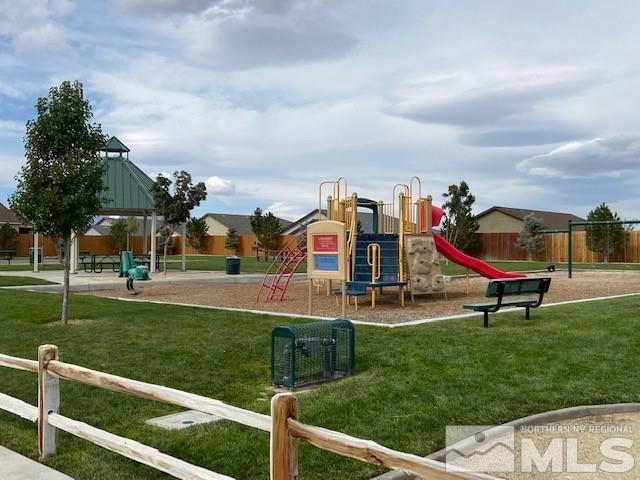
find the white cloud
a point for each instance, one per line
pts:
(501, 106)
(286, 210)
(162, 7)
(47, 37)
(34, 27)
(178, 82)
(610, 156)
(9, 166)
(10, 91)
(11, 128)
(220, 186)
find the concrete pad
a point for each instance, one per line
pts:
(180, 420)
(14, 466)
(87, 282)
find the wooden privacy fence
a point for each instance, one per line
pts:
(213, 245)
(283, 425)
(501, 246)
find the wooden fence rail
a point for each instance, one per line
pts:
(19, 408)
(18, 363)
(286, 431)
(134, 450)
(159, 393)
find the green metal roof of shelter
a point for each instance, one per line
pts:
(128, 187)
(115, 145)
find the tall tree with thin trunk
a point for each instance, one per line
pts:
(459, 225)
(60, 188)
(119, 235)
(531, 238)
(8, 237)
(197, 229)
(232, 242)
(266, 227)
(174, 201)
(605, 238)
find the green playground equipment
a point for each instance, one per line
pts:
(130, 270)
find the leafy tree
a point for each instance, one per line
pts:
(164, 238)
(60, 188)
(256, 221)
(196, 233)
(132, 229)
(174, 200)
(459, 225)
(629, 228)
(531, 238)
(8, 237)
(267, 228)
(119, 234)
(271, 230)
(605, 238)
(232, 242)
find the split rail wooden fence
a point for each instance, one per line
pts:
(283, 425)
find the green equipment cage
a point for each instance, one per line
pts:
(311, 353)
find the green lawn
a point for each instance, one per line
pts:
(410, 382)
(10, 281)
(24, 267)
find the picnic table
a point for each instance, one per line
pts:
(266, 253)
(95, 262)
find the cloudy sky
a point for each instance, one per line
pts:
(535, 104)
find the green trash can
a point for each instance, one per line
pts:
(233, 265)
(32, 255)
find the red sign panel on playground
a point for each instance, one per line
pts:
(325, 243)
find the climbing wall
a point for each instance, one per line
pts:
(424, 265)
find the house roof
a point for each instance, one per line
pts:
(550, 220)
(303, 221)
(241, 223)
(7, 216)
(365, 218)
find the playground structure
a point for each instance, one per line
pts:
(402, 251)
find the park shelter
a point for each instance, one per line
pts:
(128, 193)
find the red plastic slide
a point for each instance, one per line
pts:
(478, 266)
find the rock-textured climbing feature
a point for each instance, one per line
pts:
(424, 266)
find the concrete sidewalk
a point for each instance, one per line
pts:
(14, 466)
(84, 282)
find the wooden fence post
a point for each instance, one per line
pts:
(48, 401)
(284, 447)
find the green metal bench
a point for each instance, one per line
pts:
(532, 288)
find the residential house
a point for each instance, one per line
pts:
(510, 220)
(221, 223)
(365, 219)
(7, 216)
